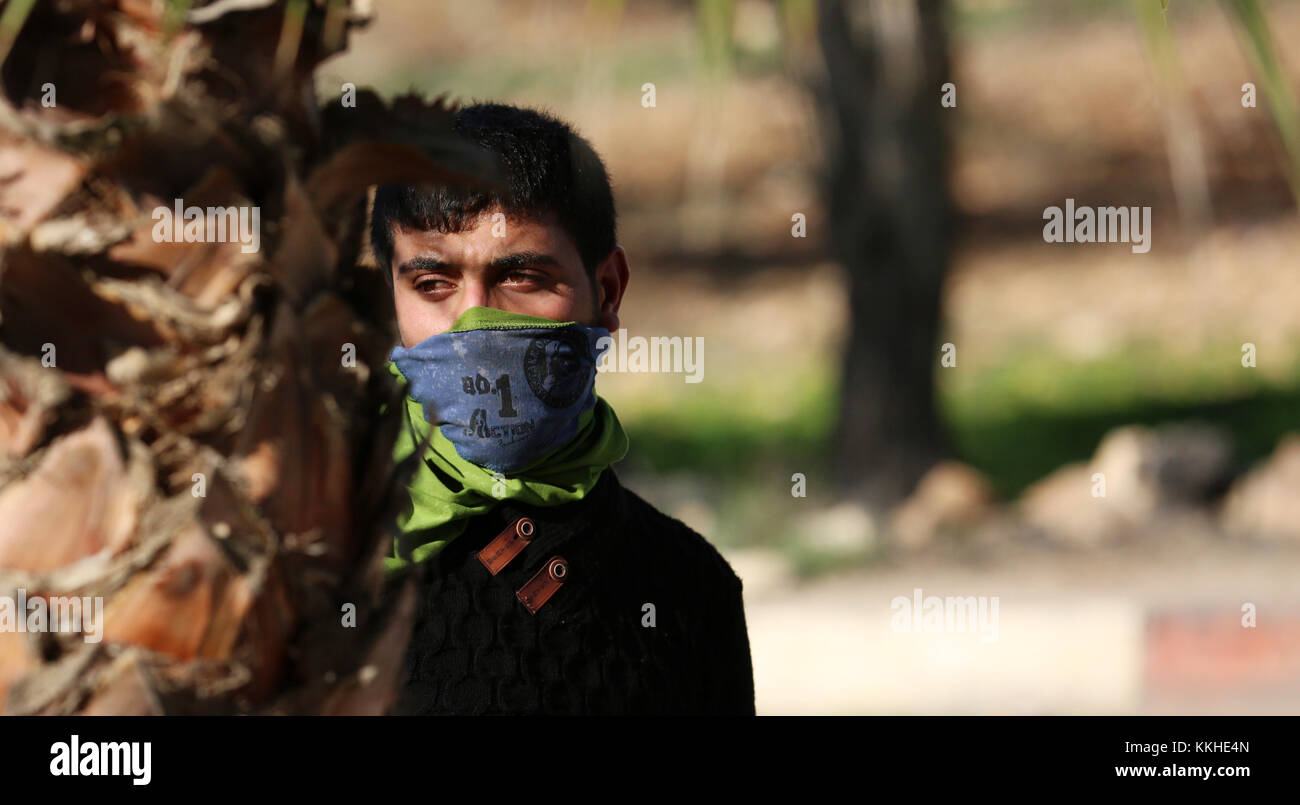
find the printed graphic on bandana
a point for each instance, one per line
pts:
(557, 367)
(479, 425)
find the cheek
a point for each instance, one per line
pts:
(578, 305)
(401, 311)
(586, 310)
(416, 320)
(562, 310)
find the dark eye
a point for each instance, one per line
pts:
(524, 277)
(430, 284)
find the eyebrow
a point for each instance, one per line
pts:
(515, 260)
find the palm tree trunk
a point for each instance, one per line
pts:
(190, 431)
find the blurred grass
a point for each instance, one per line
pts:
(724, 429)
(1016, 421)
(733, 446)
(1034, 411)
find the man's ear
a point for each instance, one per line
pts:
(610, 282)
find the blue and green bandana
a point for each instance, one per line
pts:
(501, 406)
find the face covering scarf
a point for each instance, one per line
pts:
(508, 407)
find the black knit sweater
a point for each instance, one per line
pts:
(590, 649)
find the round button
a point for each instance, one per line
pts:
(524, 528)
(558, 569)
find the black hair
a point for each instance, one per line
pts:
(546, 168)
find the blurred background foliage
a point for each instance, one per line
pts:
(1056, 346)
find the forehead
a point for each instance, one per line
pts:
(491, 233)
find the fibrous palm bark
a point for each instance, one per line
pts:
(190, 431)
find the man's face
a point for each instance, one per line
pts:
(534, 269)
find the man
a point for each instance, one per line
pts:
(546, 586)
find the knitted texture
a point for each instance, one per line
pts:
(589, 650)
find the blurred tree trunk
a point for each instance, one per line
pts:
(890, 227)
(190, 428)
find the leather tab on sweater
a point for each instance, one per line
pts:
(539, 589)
(507, 545)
